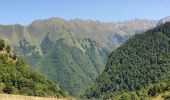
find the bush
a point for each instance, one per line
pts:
(2, 45)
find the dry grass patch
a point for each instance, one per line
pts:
(20, 97)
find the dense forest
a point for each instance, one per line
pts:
(158, 91)
(16, 77)
(142, 60)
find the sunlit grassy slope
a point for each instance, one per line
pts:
(20, 97)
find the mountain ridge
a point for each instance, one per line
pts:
(140, 61)
(92, 40)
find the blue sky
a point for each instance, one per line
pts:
(25, 11)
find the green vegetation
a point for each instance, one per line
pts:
(140, 61)
(85, 47)
(148, 93)
(27, 52)
(16, 77)
(71, 67)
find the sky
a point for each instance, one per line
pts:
(25, 11)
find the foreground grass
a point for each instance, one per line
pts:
(20, 97)
(162, 96)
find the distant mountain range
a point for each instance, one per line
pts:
(72, 53)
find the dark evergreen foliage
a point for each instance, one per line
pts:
(147, 93)
(140, 61)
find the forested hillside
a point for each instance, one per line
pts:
(157, 91)
(71, 53)
(16, 77)
(142, 60)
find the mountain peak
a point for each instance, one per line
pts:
(164, 20)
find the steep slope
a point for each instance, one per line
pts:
(72, 52)
(16, 77)
(77, 69)
(140, 61)
(102, 33)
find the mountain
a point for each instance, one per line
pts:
(140, 61)
(58, 28)
(164, 20)
(72, 53)
(16, 77)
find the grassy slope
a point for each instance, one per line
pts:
(16, 77)
(163, 96)
(20, 97)
(70, 67)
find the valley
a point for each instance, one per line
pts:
(84, 50)
(72, 53)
